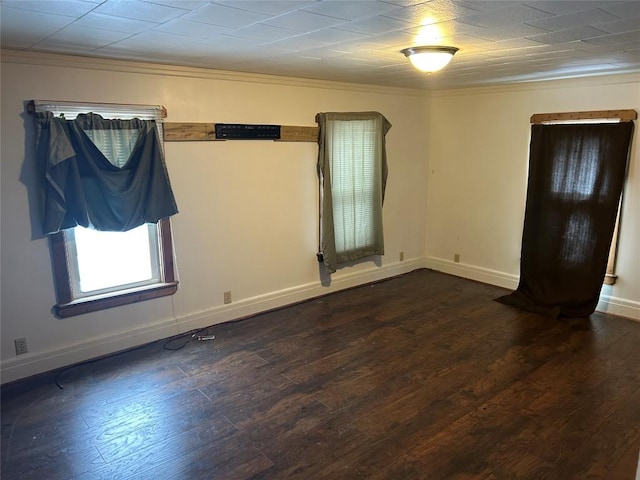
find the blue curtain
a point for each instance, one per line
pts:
(84, 187)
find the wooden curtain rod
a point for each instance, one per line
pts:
(198, 132)
(623, 115)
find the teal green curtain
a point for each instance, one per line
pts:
(83, 186)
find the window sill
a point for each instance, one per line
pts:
(115, 299)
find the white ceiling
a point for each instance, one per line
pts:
(343, 40)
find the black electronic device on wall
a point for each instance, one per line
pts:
(241, 131)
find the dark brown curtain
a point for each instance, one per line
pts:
(576, 177)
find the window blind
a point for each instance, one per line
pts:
(354, 176)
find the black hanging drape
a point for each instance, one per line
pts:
(82, 187)
(576, 177)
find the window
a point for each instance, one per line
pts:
(105, 261)
(585, 179)
(95, 270)
(82, 287)
(576, 178)
(355, 185)
(353, 170)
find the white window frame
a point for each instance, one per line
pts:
(75, 271)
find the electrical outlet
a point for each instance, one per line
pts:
(21, 345)
(456, 257)
(227, 297)
(401, 256)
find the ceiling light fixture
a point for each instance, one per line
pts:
(430, 58)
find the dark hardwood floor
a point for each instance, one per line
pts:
(422, 376)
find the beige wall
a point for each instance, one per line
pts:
(248, 209)
(477, 178)
(247, 221)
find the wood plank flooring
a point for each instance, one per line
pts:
(422, 376)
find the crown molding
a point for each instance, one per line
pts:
(132, 66)
(573, 82)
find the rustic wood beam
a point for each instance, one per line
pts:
(188, 132)
(298, 134)
(623, 115)
(198, 132)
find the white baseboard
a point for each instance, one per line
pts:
(473, 272)
(619, 306)
(289, 296)
(39, 362)
(607, 304)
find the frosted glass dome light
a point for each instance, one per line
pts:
(430, 58)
